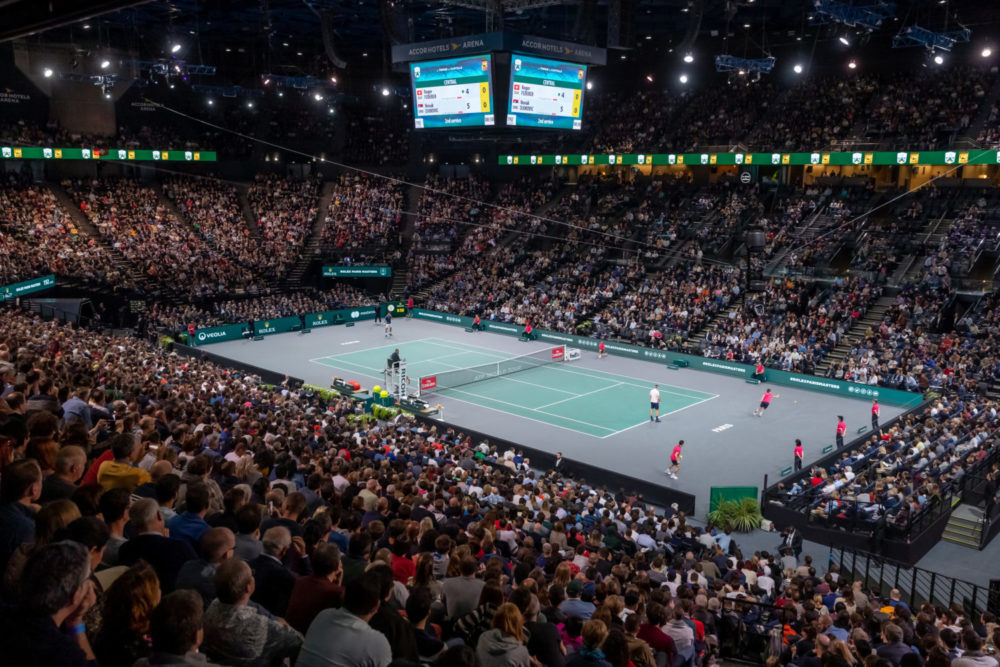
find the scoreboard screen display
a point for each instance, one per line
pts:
(545, 93)
(453, 92)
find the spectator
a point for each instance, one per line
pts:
(166, 555)
(343, 636)
(176, 631)
(318, 591)
(217, 546)
(128, 603)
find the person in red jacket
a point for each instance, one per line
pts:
(798, 455)
(841, 430)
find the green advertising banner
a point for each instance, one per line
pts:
(219, 334)
(719, 494)
(396, 308)
(277, 325)
(283, 324)
(357, 271)
(119, 154)
(810, 382)
(821, 158)
(15, 290)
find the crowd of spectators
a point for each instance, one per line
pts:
(38, 236)
(286, 212)
(792, 324)
(364, 221)
(266, 307)
(901, 472)
(133, 221)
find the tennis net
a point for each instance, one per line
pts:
(463, 376)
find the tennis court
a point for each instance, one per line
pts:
(586, 401)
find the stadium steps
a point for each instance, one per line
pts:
(401, 269)
(83, 224)
(693, 343)
(965, 527)
(294, 278)
(243, 192)
(873, 318)
(168, 203)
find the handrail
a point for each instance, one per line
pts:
(917, 586)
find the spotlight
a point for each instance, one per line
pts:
(684, 78)
(590, 85)
(105, 64)
(797, 69)
(333, 79)
(688, 58)
(211, 102)
(267, 81)
(385, 92)
(86, 26)
(318, 97)
(47, 72)
(852, 65)
(649, 77)
(175, 48)
(938, 60)
(987, 52)
(281, 93)
(844, 40)
(249, 105)
(330, 110)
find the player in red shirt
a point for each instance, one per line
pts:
(875, 412)
(675, 460)
(765, 401)
(841, 430)
(600, 350)
(798, 455)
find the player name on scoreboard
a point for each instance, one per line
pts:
(545, 98)
(453, 98)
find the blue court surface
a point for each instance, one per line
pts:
(587, 401)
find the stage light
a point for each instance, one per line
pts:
(852, 65)
(47, 72)
(844, 40)
(267, 81)
(385, 92)
(333, 79)
(318, 97)
(330, 110)
(249, 105)
(175, 48)
(684, 78)
(797, 69)
(105, 64)
(688, 58)
(86, 26)
(211, 102)
(987, 52)
(939, 60)
(590, 84)
(649, 77)
(281, 93)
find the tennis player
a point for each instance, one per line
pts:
(765, 401)
(654, 403)
(675, 460)
(388, 324)
(600, 350)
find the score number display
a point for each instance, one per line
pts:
(453, 92)
(545, 93)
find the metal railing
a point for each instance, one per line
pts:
(917, 586)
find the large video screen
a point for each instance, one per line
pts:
(545, 93)
(453, 92)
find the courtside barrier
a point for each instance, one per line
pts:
(811, 382)
(325, 318)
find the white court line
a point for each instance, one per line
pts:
(475, 348)
(508, 378)
(613, 375)
(351, 342)
(530, 419)
(524, 407)
(663, 415)
(549, 405)
(340, 363)
(369, 349)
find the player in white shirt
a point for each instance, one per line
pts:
(654, 403)
(388, 325)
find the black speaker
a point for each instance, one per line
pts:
(756, 239)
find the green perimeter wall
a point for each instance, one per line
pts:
(811, 382)
(718, 494)
(210, 335)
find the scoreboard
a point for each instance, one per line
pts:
(545, 93)
(453, 92)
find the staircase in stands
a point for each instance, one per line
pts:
(965, 527)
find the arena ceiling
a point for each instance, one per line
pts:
(244, 38)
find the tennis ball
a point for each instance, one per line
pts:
(384, 394)
(376, 389)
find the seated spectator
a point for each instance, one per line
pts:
(217, 546)
(343, 636)
(175, 629)
(503, 645)
(318, 591)
(123, 636)
(166, 555)
(122, 471)
(238, 634)
(22, 486)
(273, 581)
(46, 628)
